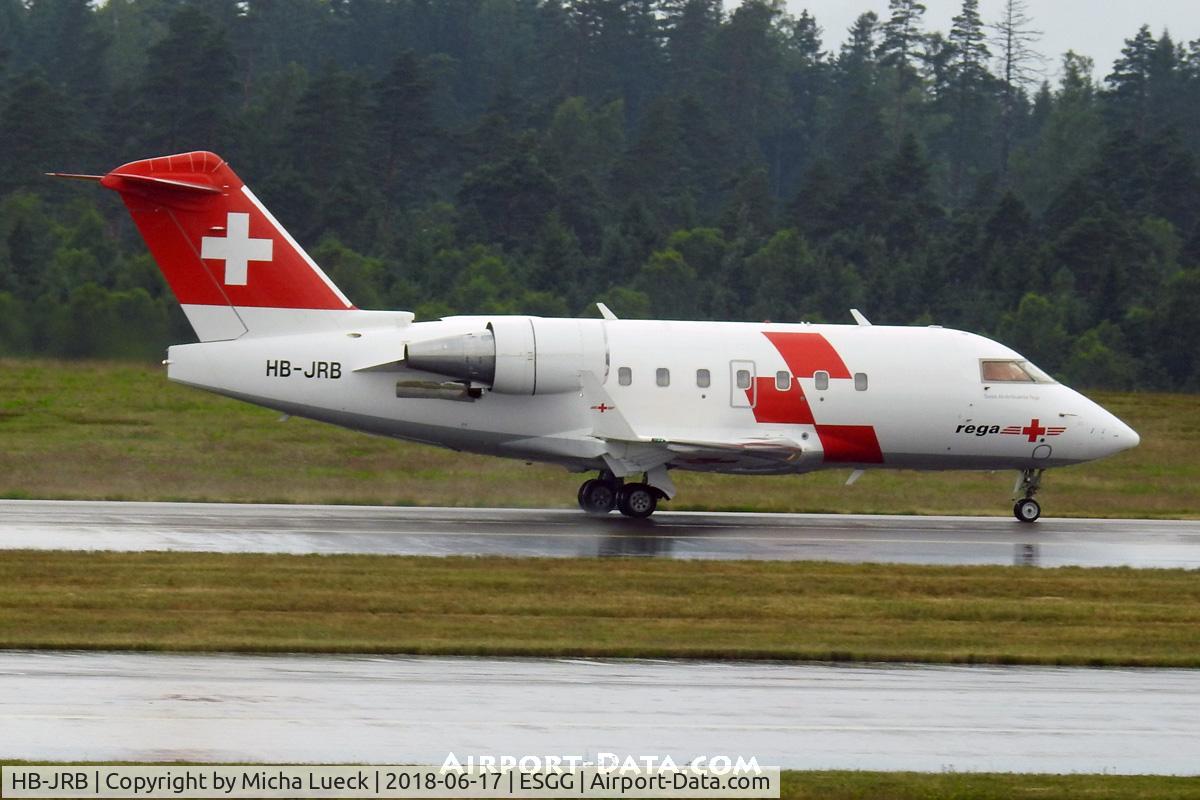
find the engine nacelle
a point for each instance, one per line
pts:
(519, 355)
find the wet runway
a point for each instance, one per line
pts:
(560, 533)
(281, 709)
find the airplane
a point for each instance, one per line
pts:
(631, 400)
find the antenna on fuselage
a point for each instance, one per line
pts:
(858, 317)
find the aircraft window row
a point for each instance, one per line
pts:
(821, 381)
(662, 376)
(1012, 371)
(743, 378)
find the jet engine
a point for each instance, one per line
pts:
(518, 355)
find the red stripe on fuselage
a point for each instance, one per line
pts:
(850, 444)
(789, 408)
(806, 353)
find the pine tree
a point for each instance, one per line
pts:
(690, 28)
(900, 51)
(35, 132)
(1014, 38)
(857, 135)
(404, 125)
(187, 96)
(331, 185)
(1129, 82)
(971, 81)
(808, 117)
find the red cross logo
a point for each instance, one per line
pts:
(236, 248)
(602, 408)
(1034, 430)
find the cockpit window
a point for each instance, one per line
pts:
(1012, 371)
(1038, 375)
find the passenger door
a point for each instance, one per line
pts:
(743, 388)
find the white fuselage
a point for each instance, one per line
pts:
(859, 396)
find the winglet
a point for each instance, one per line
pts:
(605, 311)
(858, 317)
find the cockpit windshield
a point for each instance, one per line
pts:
(1012, 371)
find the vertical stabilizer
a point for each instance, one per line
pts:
(231, 265)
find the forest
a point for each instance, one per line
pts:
(672, 158)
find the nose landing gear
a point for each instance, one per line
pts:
(599, 496)
(1027, 509)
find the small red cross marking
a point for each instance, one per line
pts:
(602, 408)
(1034, 430)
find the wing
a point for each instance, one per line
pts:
(629, 452)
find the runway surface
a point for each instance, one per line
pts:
(282, 709)
(516, 532)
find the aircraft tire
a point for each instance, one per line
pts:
(597, 497)
(1027, 510)
(637, 500)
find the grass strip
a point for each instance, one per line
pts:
(599, 607)
(120, 431)
(841, 785)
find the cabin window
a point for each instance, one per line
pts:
(783, 380)
(703, 378)
(821, 380)
(624, 376)
(743, 379)
(1012, 371)
(662, 376)
(860, 381)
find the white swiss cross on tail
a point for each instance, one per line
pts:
(236, 249)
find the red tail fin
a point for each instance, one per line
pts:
(217, 245)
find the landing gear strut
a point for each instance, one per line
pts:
(601, 495)
(1027, 509)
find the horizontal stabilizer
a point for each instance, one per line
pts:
(73, 176)
(160, 183)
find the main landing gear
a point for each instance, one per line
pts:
(1027, 509)
(601, 495)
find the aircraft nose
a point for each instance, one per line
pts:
(1128, 437)
(1117, 436)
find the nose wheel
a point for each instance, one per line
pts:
(1027, 509)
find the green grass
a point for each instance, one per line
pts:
(599, 607)
(981, 786)
(87, 430)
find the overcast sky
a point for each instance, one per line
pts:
(1096, 28)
